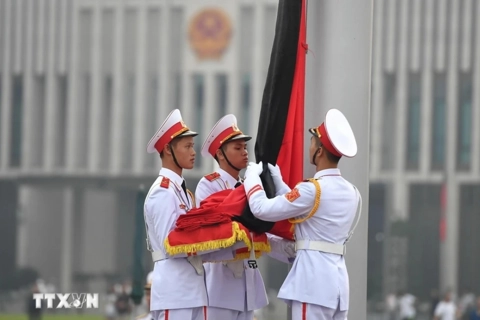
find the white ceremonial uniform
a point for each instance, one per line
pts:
(177, 289)
(317, 279)
(230, 297)
(234, 289)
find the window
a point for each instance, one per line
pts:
(222, 94)
(268, 37)
(176, 45)
(16, 123)
(177, 90)
(198, 103)
(106, 122)
(1, 104)
(130, 40)
(153, 89)
(37, 126)
(153, 34)
(3, 18)
(85, 28)
(464, 130)
(376, 246)
(129, 85)
(83, 118)
(439, 122)
(151, 120)
(469, 237)
(107, 48)
(245, 100)
(388, 136)
(82, 112)
(423, 238)
(413, 129)
(246, 29)
(129, 106)
(107, 39)
(62, 98)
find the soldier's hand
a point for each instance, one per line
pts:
(254, 169)
(290, 249)
(276, 174)
(275, 171)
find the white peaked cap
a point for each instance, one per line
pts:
(225, 130)
(336, 135)
(173, 127)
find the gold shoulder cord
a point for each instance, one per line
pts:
(193, 198)
(318, 192)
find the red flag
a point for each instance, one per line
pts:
(280, 128)
(290, 158)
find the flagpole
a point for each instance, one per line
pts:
(338, 76)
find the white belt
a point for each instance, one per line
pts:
(322, 246)
(158, 256)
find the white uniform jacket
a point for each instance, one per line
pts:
(175, 283)
(246, 293)
(316, 277)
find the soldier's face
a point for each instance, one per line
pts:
(184, 152)
(236, 152)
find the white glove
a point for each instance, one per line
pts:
(252, 176)
(282, 249)
(290, 249)
(254, 168)
(280, 186)
(275, 171)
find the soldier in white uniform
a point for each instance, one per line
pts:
(178, 288)
(323, 210)
(234, 289)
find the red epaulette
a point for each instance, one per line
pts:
(165, 183)
(212, 176)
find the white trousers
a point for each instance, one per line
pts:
(199, 313)
(227, 314)
(307, 311)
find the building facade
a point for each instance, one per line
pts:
(425, 146)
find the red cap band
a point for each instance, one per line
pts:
(177, 129)
(221, 138)
(326, 141)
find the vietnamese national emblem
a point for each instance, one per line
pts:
(209, 33)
